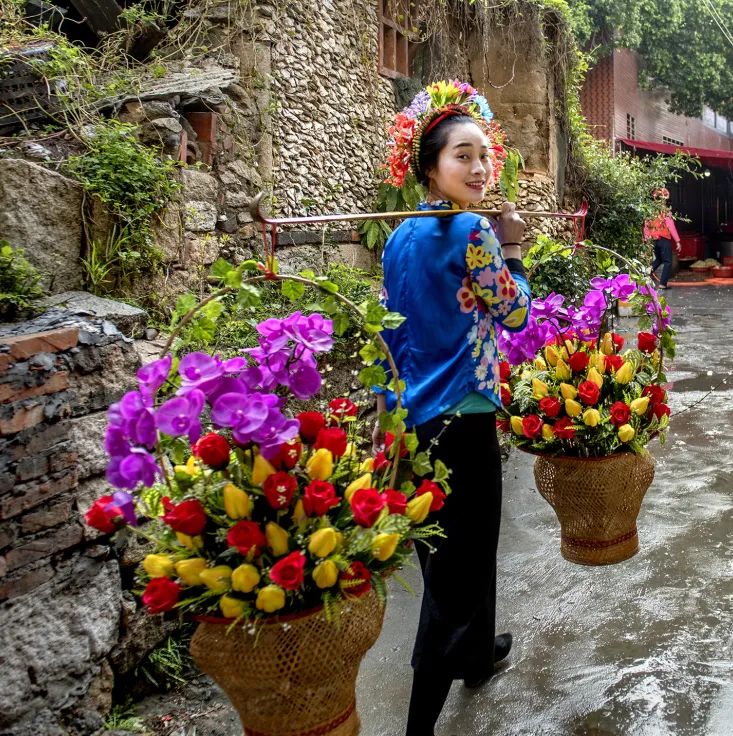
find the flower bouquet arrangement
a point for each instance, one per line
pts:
(275, 522)
(575, 391)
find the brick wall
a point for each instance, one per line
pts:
(58, 374)
(611, 92)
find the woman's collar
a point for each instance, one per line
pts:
(438, 204)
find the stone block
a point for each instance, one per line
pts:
(199, 186)
(168, 234)
(203, 250)
(22, 417)
(87, 438)
(22, 583)
(51, 233)
(51, 341)
(47, 517)
(124, 316)
(44, 546)
(31, 494)
(199, 217)
(56, 382)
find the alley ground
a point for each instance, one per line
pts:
(643, 648)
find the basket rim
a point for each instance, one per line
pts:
(595, 458)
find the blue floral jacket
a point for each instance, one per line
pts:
(447, 276)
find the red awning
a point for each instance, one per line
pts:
(716, 157)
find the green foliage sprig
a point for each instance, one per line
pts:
(19, 281)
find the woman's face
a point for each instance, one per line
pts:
(463, 170)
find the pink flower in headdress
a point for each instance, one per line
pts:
(402, 133)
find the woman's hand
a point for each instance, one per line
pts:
(510, 228)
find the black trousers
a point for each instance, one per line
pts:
(457, 619)
(663, 257)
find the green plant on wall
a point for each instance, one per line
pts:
(134, 184)
(19, 282)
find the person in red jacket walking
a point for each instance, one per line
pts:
(663, 232)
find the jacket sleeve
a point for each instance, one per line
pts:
(672, 229)
(500, 285)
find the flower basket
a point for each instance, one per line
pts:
(296, 676)
(596, 501)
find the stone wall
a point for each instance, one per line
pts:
(62, 609)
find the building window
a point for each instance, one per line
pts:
(671, 141)
(630, 126)
(397, 42)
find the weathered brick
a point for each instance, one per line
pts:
(3, 567)
(55, 383)
(38, 440)
(6, 361)
(61, 460)
(32, 494)
(32, 466)
(25, 582)
(8, 534)
(7, 481)
(44, 546)
(22, 418)
(51, 341)
(46, 518)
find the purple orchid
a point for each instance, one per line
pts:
(153, 375)
(125, 503)
(197, 369)
(181, 415)
(133, 469)
(548, 307)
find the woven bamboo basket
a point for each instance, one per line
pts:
(294, 675)
(596, 501)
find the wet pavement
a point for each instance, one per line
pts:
(642, 648)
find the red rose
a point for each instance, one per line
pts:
(532, 426)
(389, 441)
(647, 342)
(355, 580)
(161, 594)
(367, 504)
(505, 371)
(620, 413)
(563, 428)
(613, 361)
(618, 341)
(319, 496)
(436, 490)
(503, 424)
(212, 449)
(288, 455)
(588, 393)
(396, 501)
(246, 536)
(655, 393)
(187, 517)
(550, 406)
(341, 408)
(311, 423)
(506, 395)
(102, 514)
(660, 410)
(289, 571)
(578, 362)
(279, 489)
(380, 462)
(333, 439)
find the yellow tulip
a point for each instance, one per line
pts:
(516, 424)
(326, 574)
(320, 465)
(595, 377)
(384, 546)
(158, 566)
(277, 538)
(363, 481)
(551, 355)
(419, 507)
(540, 364)
(299, 515)
(367, 466)
(217, 578)
(573, 408)
(564, 353)
(598, 361)
(322, 542)
(547, 434)
(625, 373)
(191, 467)
(231, 607)
(237, 503)
(570, 347)
(568, 391)
(271, 598)
(193, 543)
(607, 344)
(591, 417)
(261, 470)
(350, 447)
(190, 570)
(539, 388)
(562, 370)
(640, 405)
(245, 578)
(626, 433)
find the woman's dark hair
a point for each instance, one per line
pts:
(434, 142)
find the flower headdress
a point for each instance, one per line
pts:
(430, 107)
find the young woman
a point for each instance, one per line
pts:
(663, 232)
(456, 279)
